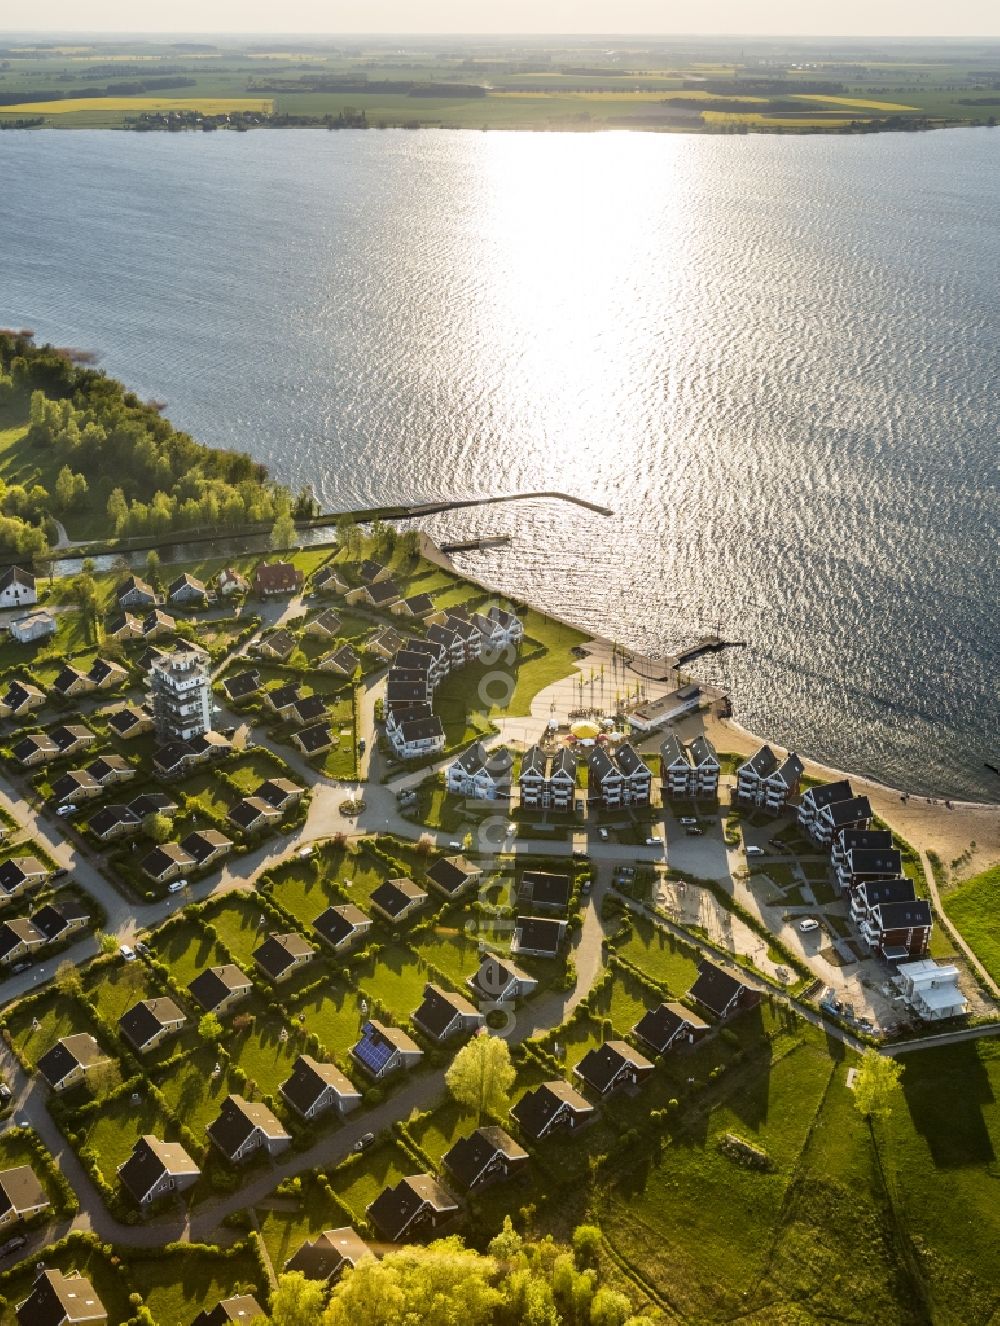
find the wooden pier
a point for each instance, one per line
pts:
(476, 545)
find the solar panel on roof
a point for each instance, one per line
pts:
(372, 1050)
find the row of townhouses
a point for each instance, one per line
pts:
(689, 771)
(453, 640)
(615, 777)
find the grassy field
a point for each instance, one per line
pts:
(140, 105)
(659, 956)
(975, 908)
(178, 1283)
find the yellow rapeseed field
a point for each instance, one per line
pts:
(854, 101)
(207, 105)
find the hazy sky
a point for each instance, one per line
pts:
(904, 18)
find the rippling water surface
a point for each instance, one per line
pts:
(777, 359)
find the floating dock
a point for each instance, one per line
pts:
(476, 545)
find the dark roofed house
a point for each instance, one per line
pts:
(60, 918)
(123, 626)
(544, 891)
(19, 873)
(848, 813)
(20, 698)
(135, 593)
(147, 1024)
(186, 589)
(328, 580)
(385, 643)
(344, 660)
(443, 1014)
(152, 803)
(75, 785)
(325, 1257)
(244, 1127)
(415, 732)
(315, 1087)
(397, 898)
(899, 931)
(661, 1027)
(549, 1107)
(35, 748)
(308, 709)
(105, 674)
(206, 846)
(279, 644)
(242, 686)
(498, 982)
(239, 1310)
(165, 862)
(277, 578)
(217, 989)
(314, 740)
(71, 737)
(721, 992)
(280, 793)
(371, 572)
(452, 875)
(252, 813)
(415, 1206)
(130, 721)
(486, 1155)
(155, 1169)
(538, 935)
(281, 698)
(18, 938)
(21, 1195)
(383, 1050)
(816, 799)
(70, 1060)
(341, 926)
(60, 1298)
(280, 956)
(414, 605)
(326, 625)
(612, 1065)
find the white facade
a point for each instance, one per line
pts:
(181, 696)
(931, 989)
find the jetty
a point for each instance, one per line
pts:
(661, 669)
(476, 545)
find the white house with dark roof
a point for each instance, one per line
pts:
(17, 588)
(415, 1206)
(479, 774)
(722, 992)
(443, 1014)
(691, 771)
(766, 783)
(244, 1126)
(500, 982)
(314, 1088)
(853, 812)
(532, 779)
(485, 1156)
(383, 1050)
(538, 936)
(612, 1066)
(549, 1108)
(815, 799)
(667, 1025)
(156, 1169)
(415, 735)
(21, 1195)
(61, 1298)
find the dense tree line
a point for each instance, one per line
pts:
(517, 1283)
(86, 426)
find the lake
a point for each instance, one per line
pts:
(776, 358)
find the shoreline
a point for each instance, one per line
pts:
(928, 824)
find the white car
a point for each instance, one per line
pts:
(654, 842)
(688, 822)
(304, 852)
(177, 885)
(127, 953)
(66, 810)
(455, 846)
(755, 851)
(603, 835)
(808, 924)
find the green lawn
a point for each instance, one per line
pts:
(300, 887)
(453, 952)
(254, 768)
(437, 1133)
(14, 1151)
(113, 1130)
(975, 908)
(333, 1014)
(177, 1284)
(187, 950)
(112, 1287)
(624, 1003)
(660, 956)
(116, 986)
(192, 1092)
(395, 978)
(360, 1183)
(56, 1016)
(237, 923)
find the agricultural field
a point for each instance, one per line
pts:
(701, 85)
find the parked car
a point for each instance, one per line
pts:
(229, 731)
(361, 746)
(654, 842)
(364, 1142)
(177, 885)
(695, 832)
(61, 873)
(127, 953)
(12, 1245)
(603, 835)
(68, 809)
(755, 851)
(455, 846)
(688, 822)
(142, 948)
(585, 887)
(19, 967)
(5, 1093)
(304, 852)
(808, 924)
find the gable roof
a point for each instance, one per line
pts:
(658, 1026)
(763, 762)
(716, 989)
(536, 1109)
(277, 577)
(825, 794)
(702, 751)
(395, 895)
(600, 1066)
(236, 1311)
(310, 1078)
(58, 1297)
(338, 923)
(379, 1042)
(902, 915)
(144, 1020)
(242, 684)
(470, 1156)
(237, 1121)
(546, 889)
(848, 811)
(327, 1254)
(279, 953)
(78, 1051)
(20, 1190)
(541, 933)
(452, 873)
(150, 1160)
(55, 917)
(211, 986)
(440, 1008)
(394, 1208)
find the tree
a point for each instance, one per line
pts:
(436, 1286)
(158, 826)
(210, 1029)
(153, 567)
(67, 978)
(586, 1243)
(283, 531)
(481, 1075)
(609, 1308)
(876, 1084)
(297, 1301)
(106, 943)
